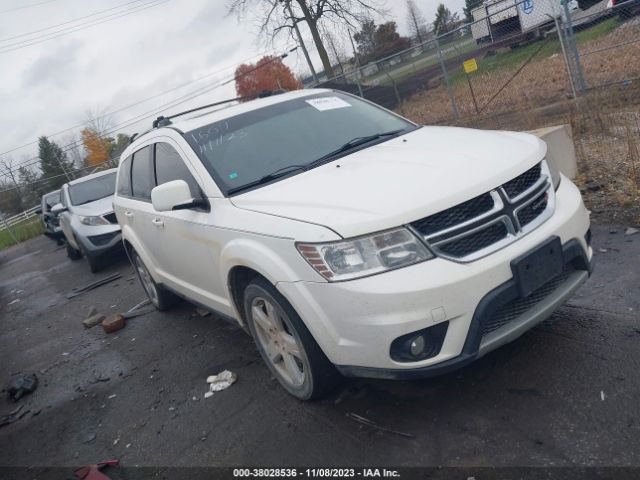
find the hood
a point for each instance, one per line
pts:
(399, 181)
(96, 208)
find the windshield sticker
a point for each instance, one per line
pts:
(233, 176)
(327, 103)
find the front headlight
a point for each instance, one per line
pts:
(93, 221)
(555, 175)
(359, 257)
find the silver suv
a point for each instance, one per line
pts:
(87, 219)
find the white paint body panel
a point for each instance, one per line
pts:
(381, 187)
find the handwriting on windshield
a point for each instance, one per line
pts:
(215, 136)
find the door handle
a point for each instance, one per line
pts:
(158, 222)
(128, 213)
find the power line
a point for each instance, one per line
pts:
(126, 107)
(26, 6)
(173, 103)
(52, 35)
(69, 21)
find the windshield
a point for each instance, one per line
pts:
(93, 189)
(241, 150)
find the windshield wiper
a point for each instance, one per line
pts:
(284, 171)
(354, 143)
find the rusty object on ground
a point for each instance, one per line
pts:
(92, 472)
(113, 323)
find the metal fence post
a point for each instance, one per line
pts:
(571, 43)
(561, 37)
(447, 81)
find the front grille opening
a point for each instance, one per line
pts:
(533, 210)
(110, 217)
(455, 215)
(513, 309)
(515, 187)
(475, 242)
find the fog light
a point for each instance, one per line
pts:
(419, 345)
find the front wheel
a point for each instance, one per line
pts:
(161, 298)
(285, 343)
(72, 253)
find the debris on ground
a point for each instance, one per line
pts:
(202, 312)
(93, 320)
(372, 424)
(137, 310)
(80, 290)
(90, 437)
(631, 231)
(13, 302)
(113, 323)
(93, 472)
(21, 385)
(13, 416)
(220, 382)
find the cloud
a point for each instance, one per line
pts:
(54, 68)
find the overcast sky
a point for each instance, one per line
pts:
(49, 86)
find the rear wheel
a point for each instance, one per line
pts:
(72, 253)
(161, 298)
(285, 343)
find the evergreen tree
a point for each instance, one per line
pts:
(54, 163)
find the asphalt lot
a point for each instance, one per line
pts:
(564, 394)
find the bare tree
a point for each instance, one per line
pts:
(276, 17)
(12, 198)
(98, 120)
(416, 22)
(74, 148)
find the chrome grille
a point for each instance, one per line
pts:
(521, 183)
(455, 215)
(513, 309)
(476, 241)
(486, 223)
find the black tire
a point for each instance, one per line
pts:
(72, 253)
(95, 263)
(319, 376)
(160, 297)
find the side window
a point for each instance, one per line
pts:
(170, 166)
(142, 174)
(124, 178)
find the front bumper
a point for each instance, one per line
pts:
(100, 241)
(355, 322)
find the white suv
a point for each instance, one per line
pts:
(347, 239)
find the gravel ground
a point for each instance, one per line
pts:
(565, 394)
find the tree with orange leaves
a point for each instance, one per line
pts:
(98, 149)
(268, 74)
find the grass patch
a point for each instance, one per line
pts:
(602, 28)
(22, 231)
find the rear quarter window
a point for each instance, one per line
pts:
(142, 174)
(124, 178)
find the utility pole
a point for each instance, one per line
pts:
(287, 4)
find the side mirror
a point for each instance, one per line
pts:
(58, 208)
(174, 195)
(39, 211)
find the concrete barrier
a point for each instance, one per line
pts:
(561, 152)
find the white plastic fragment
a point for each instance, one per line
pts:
(222, 381)
(208, 394)
(602, 395)
(113, 395)
(631, 231)
(13, 301)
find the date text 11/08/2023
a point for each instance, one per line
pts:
(315, 472)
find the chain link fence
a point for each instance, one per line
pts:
(515, 55)
(526, 64)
